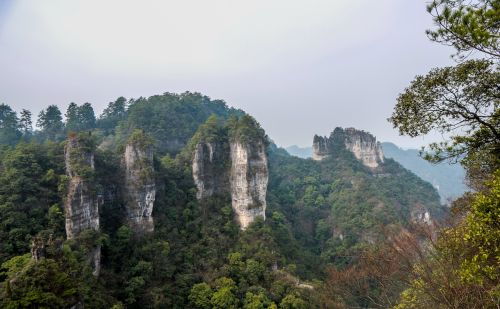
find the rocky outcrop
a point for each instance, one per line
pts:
(248, 181)
(81, 205)
(209, 173)
(230, 161)
(245, 179)
(37, 248)
(140, 186)
(362, 144)
(321, 148)
(421, 216)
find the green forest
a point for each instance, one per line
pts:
(336, 233)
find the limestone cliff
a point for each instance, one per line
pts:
(362, 144)
(321, 148)
(248, 180)
(140, 185)
(209, 173)
(231, 161)
(81, 203)
(245, 179)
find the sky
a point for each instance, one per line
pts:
(299, 67)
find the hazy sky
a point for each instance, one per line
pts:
(300, 67)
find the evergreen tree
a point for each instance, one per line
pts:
(25, 123)
(72, 121)
(50, 123)
(80, 118)
(9, 127)
(115, 112)
(86, 117)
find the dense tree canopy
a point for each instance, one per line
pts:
(80, 118)
(466, 25)
(319, 214)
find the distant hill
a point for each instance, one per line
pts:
(301, 152)
(448, 179)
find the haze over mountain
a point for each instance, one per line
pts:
(141, 167)
(313, 65)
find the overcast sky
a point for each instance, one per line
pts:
(300, 67)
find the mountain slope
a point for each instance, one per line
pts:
(338, 206)
(448, 179)
(193, 251)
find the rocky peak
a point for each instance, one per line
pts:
(362, 144)
(139, 183)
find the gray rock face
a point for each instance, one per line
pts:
(248, 181)
(140, 187)
(321, 148)
(37, 248)
(362, 144)
(245, 179)
(209, 174)
(81, 203)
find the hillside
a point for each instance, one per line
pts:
(448, 179)
(178, 201)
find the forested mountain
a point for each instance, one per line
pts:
(448, 179)
(178, 201)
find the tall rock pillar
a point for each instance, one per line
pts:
(248, 180)
(81, 203)
(139, 183)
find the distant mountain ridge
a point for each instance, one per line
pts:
(301, 152)
(448, 179)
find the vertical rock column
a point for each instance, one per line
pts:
(203, 179)
(321, 148)
(248, 180)
(81, 205)
(140, 186)
(209, 170)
